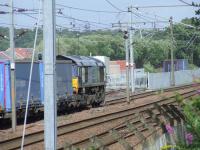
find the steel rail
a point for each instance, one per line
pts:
(36, 137)
(84, 143)
(146, 94)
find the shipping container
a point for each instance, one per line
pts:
(22, 70)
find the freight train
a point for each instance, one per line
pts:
(80, 82)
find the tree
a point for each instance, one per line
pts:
(196, 20)
(151, 51)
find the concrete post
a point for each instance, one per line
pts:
(49, 55)
(132, 65)
(172, 75)
(12, 67)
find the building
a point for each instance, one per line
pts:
(20, 54)
(117, 67)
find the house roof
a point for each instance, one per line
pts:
(20, 53)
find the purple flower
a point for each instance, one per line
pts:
(169, 129)
(194, 84)
(189, 138)
(198, 91)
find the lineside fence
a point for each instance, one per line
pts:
(153, 81)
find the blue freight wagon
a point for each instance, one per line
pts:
(80, 82)
(64, 85)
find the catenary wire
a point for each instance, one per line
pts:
(182, 1)
(89, 10)
(115, 7)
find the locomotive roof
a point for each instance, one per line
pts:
(82, 60)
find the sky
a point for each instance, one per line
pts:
(78, 20)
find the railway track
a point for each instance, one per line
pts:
(146, 94)
(105, 137)
(110, 92)
(37, 137)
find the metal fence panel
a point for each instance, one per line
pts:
(162, 80)
(116, 81)
(159, 80)
(183, 77)
(153, 81)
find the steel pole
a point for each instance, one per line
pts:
(49, 55)
(127, 71)
(12, 67)
(131, 61)
(131, 50)
(172, 75)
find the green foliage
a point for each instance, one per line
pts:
(192, 66)
(187, 44)
(179, 98)
(149, 68)
(191, 110)
(92, 44)
(192, 114)
(4, 42)
(196, 19)
(167, 147)
(149, 51)
(26, 40)
(91, 148)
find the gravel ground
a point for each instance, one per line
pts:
(33, 127)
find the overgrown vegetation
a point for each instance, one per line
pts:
(191, 109)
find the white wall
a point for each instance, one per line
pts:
(162, 80)
(155, 80)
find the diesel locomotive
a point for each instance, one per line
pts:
(80, 82)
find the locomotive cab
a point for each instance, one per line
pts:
(88, 79)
